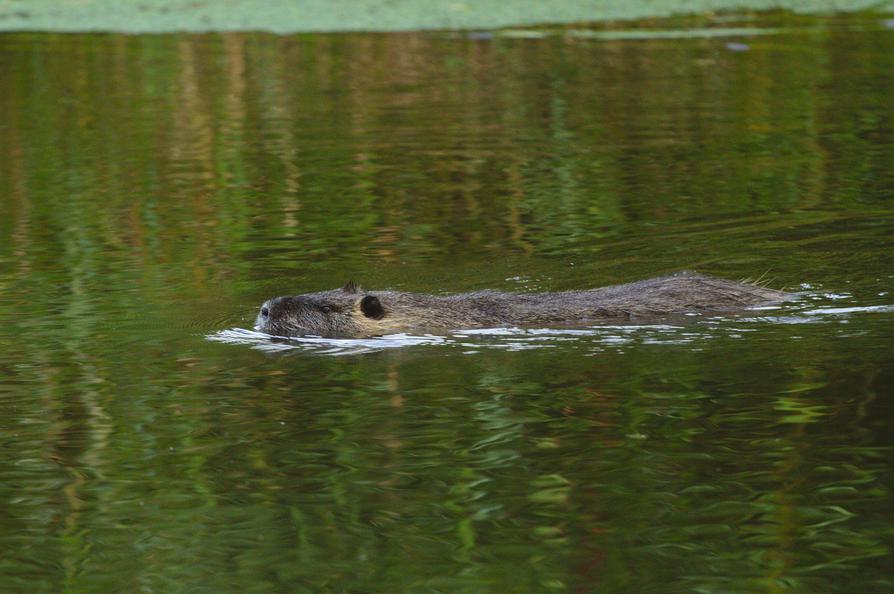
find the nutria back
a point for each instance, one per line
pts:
(353, 312)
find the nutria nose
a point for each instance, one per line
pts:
(268, 306)
(274, 306)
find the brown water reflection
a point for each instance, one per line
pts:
(420, 144)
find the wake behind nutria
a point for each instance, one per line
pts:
(351, 312)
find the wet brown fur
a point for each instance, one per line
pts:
(353, 312)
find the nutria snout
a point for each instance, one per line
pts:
(353, 312)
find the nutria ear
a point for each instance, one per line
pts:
(372, 307)
(351, 287)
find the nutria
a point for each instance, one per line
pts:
(353, 312)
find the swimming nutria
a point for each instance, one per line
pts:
(352, 312)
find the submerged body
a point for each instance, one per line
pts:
(353, 312)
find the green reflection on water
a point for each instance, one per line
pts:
(156, 189)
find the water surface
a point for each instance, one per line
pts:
(155, 190)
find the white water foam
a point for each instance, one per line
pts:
(595, 337)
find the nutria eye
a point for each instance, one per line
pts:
(265, 312)
(326, 309)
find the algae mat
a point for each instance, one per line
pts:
(369, 15)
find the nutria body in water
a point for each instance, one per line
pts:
(353, 312)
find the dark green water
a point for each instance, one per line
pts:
(154, 190)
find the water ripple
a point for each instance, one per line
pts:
(689, 330)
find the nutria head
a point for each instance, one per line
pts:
(340, 312)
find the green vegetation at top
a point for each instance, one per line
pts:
(369, 15)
